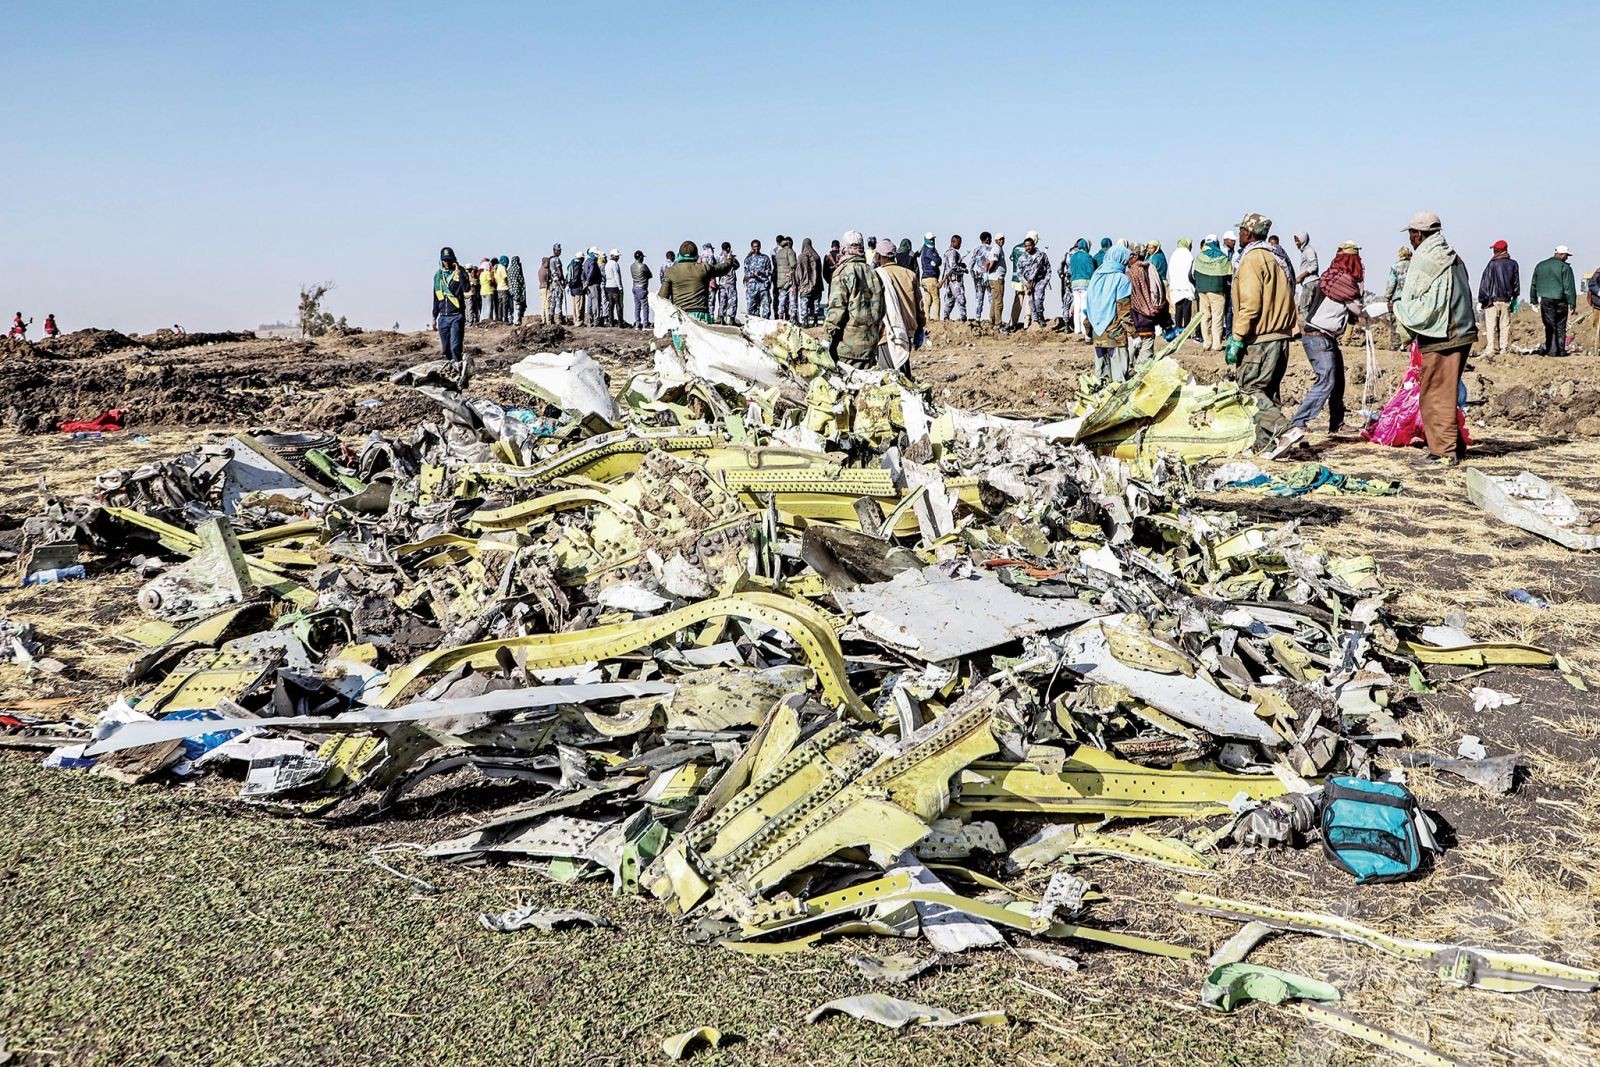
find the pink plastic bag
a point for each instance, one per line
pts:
(1400, 422)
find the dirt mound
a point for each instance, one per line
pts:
(399, 342)
(13, 349)
(973, 333)
(165, 340)
(82, 343)
(1562, 406)
(535, 337)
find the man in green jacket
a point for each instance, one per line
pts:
(1436, 309)
(1555, 293)
(687, 283)
(855, 305)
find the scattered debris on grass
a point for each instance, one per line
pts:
(786, 645)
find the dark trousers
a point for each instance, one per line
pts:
(641, 305)
(1554, 315)
(1182, 312)
(450, 332)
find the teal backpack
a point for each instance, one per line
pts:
(1369, 829)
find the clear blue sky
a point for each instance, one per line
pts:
(195, 162)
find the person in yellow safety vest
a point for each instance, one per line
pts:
(486, 288)
(452, 288)
(502, 291)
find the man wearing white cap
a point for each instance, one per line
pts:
(930, 268)
(613, 271)
(1555, 293)
(1436, 311)
(854, 322)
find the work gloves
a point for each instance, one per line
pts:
(1231, 354)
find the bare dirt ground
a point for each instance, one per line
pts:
(168, 924)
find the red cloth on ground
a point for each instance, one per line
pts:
(106, 422)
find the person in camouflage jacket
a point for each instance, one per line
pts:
(855, 306)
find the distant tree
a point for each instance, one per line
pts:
(314, 322)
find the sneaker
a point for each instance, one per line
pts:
(1287, 440)
(1441, 461)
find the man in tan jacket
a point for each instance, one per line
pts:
(904, 316)
(1263, 323)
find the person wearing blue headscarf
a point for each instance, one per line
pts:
(1100, 256)
(1109, 307)
(1080, 268)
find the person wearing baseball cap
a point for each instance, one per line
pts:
(1263, 322)
(1497, 291)
(611, 271)
(451, 290)
(1435, 312)
(1555, 293)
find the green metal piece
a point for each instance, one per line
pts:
(266, 576)
(1232, 984)
(900, 887)
(1096, 783)
(834, 791)
(1479, 968)
(333, 471)
(807, 625)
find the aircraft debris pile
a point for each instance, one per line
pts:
(778, 642)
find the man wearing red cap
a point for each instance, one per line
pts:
(1497, 290)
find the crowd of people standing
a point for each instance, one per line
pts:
(1241, 293)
